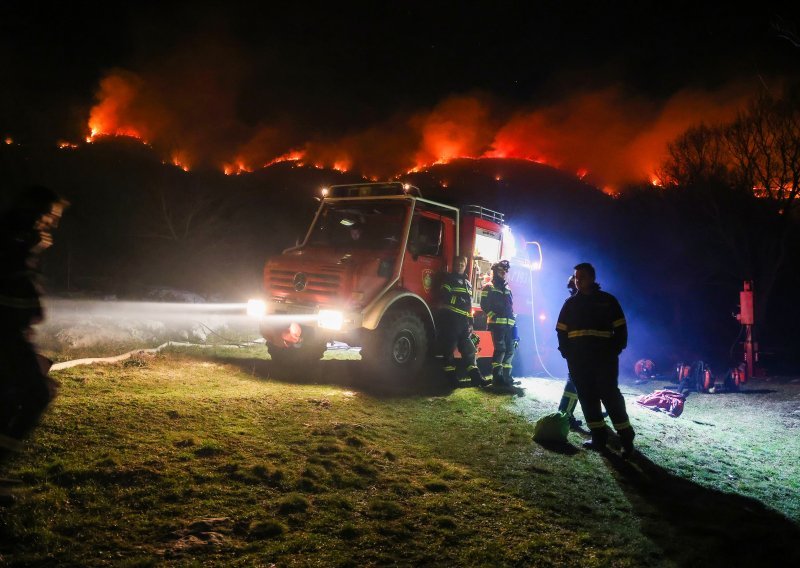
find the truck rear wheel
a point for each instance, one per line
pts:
(398, 348)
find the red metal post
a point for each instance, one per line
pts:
(747, 319)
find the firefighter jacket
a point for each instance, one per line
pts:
(455, 294)
(497, 303)
(591, 326)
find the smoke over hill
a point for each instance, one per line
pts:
(190, 112)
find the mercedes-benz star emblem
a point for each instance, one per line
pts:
(300, 281)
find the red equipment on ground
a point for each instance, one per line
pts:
(667, 401)
(644, 369)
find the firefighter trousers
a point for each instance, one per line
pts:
(454, 332)
(503, 339)
(596, 380)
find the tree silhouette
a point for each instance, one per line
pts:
(742, 179)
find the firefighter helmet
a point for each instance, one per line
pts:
(502, 265)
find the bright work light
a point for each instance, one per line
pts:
(330, 319)
(256, 308)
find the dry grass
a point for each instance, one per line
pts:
(217, 458)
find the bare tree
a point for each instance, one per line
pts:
(696, 157)
(763, 144)
(175, 214)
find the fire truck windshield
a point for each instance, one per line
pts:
(359, 225)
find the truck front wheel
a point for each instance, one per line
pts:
(398, 348)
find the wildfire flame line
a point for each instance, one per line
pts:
(603, 137)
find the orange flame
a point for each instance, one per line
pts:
(608, 137)
(181, 161)
(235, 169)
(112, 115)
(341, 165)
(292, 156)
(457, 128)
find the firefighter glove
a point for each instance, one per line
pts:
(516, 344)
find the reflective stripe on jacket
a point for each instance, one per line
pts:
(497, 303)
(591, 325)
(455, 294)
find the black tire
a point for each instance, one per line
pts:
(398, 349)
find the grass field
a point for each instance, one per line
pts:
(197, 457)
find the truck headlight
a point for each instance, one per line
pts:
(256, 308)
(330, 319)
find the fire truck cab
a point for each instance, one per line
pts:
(367, 274)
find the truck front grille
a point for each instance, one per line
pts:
(301, 283)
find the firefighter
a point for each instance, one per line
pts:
(25, 388)
(497, 303)
(455, 323)
(569, 400)
(592, 332)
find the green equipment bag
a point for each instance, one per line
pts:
(552, 428)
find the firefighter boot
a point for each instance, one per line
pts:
(497, 376)
(626, 436)
(499, 383)
(476, 378)
(598, 441)
(450, 376)
(507, 378)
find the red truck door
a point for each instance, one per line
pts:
(431, 245)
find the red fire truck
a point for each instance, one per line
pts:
(367, 274)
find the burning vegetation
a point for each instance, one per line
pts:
(605, 137)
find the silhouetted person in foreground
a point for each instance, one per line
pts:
(592, 332)
(25, 388)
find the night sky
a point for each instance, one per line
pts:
(265, 79)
